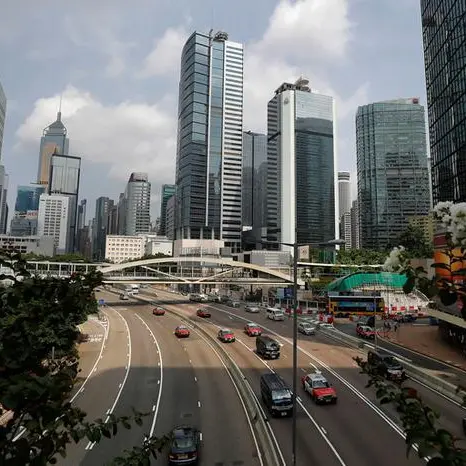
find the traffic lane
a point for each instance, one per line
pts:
(348, 436)
(340, 358)
(140, 392)
(103, 385)
(311, 447)
(180, 394)
(230, 440)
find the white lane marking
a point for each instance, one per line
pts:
(323, 430)
(195, 379)
(90, 445)
(324, 436)
(154, 408)
(313, 365)
(259, 454)
(93, 369)
(160, 382)
(351, 387)
(200, 436)
(198, 404)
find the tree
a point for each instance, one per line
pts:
(360, 256)
(415, 242)
(39, 366)
(71, 257)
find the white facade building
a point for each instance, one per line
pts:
(39, 245)
(119, 248)
(53, 218)
(344, 193)
(158, 245)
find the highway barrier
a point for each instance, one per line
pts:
(415, 373)
(259, 420)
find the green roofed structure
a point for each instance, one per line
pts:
(367, 280)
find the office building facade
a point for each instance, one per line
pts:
(393, 176)
(54, 141)
(53, 219)
(301, 166)
(4, 180)
(354, 212)
(135, 205)
(209, 149)
(444, 50)
(254, 191)
(2, 116)
(103, 207)
(27, 198)
(168, 190)
(344, 207)
(64, 178)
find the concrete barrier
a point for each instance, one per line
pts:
(415, 373)
(266, 440)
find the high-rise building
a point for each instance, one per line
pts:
(168, 190)
(103, 207)
(121, 214)
(344, 193)
(170, 225)
(209, 152)
(27, 198)
(4, 179)
(53, 219)
(2, 115)
(54, 141)
(301, 166)
(393, 177)
(136, 205)
(355, 243)
(254, 179)
(444, 49)
(81, 219)
(65, 172)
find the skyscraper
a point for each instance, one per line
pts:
(355, 244)
(393, 179)
(27, 198)
(254, 179)
(65, 173)
(2, 115)
(444, 49)
(136, 205)
(103, 206)
(53, 141)
(344, 203)
(168, 190)
(301, 166)
(81, 219)
(53, 220)
(210, 126)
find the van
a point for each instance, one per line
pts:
(267, 347)
(275, 314)
(276, 395)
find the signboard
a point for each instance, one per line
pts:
(288, 293)
(101, 302)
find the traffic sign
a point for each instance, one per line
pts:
(101, 302)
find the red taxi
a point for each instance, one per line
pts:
(158, 311)
(202, 313)
(182, 331)
(318, 388)
(364, 331)
(252, 330)
(226, 335)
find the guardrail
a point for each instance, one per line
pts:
(255, 413)
(415, 373)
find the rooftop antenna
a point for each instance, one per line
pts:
(59, 108)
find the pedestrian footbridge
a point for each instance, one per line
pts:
(174, 270)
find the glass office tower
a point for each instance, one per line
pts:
(65, 173)
(301, 166)
(136, 205)
(443, 27)
(209, 152)
(27, 198)
(168, 190)
(393, 176)
(2, 115)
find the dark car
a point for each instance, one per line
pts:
(184, 446)
(386, 365)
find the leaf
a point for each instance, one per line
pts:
(114, 428)
(441, 265)
(138, 421)
(447, 298)
(436, 461)
(409, 285)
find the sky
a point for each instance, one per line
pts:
(116, 65)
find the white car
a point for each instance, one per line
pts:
(251, 309)
(306, 328)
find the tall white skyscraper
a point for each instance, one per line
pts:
(136, 205)
(53, 219)
(301, 166)
(209, 153)
(344, 203)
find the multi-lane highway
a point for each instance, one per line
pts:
(357, 429)
(143, 365)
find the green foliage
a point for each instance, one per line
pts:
(415, 242)
(361, 256)
(419, 421)
(59, 258)
(159, 255)
(39, 366)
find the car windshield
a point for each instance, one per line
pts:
(183, 443)
(226, 332)
(278, 395)
(320, 384)
(391, 361)
(181, 327)
(306, 325)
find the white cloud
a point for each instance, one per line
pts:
(129, 136)
(164, 59)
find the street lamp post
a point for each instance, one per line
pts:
(295, 352)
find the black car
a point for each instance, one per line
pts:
(184, 446)
(386, 366)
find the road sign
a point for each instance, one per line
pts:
(101, 302)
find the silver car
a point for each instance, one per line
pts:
(252, 309)
(306, 328)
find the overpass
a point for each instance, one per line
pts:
(174, 270)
